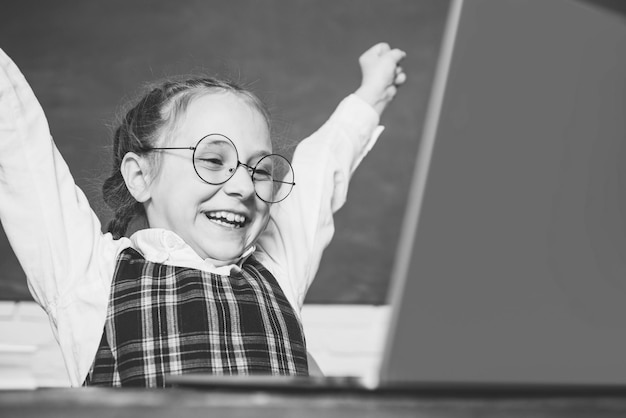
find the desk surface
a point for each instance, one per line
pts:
(188, 403)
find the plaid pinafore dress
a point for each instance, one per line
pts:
(172, 320)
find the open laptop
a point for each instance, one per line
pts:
(511, 267)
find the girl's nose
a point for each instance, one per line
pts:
(240, 184)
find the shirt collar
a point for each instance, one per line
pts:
(166, 247)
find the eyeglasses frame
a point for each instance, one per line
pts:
(250, 170)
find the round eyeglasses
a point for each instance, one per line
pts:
(215, 160)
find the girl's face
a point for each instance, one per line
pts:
(203, 214)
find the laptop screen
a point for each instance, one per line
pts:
(512, 266)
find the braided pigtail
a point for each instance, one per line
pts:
(142, 128)
(136, 133)
(117, 196)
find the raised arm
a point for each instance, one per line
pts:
(302, 225)
(49, 223)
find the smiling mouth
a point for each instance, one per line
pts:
(228, 219)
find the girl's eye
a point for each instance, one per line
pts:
(262, 174)
(211, 163)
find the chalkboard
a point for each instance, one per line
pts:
(85, 59)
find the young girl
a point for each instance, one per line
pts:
(235, 233)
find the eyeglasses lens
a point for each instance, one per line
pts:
(273, 178)
(215, 159)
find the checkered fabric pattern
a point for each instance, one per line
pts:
(173, 320)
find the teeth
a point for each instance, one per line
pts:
(223, 217)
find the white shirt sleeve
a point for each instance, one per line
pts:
(301, 226)
(56, 236)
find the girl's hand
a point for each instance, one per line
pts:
(382, 74)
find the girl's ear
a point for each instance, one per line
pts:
(135, 170)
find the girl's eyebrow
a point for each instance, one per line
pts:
(260, 154)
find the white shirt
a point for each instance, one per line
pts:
(69, 263)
